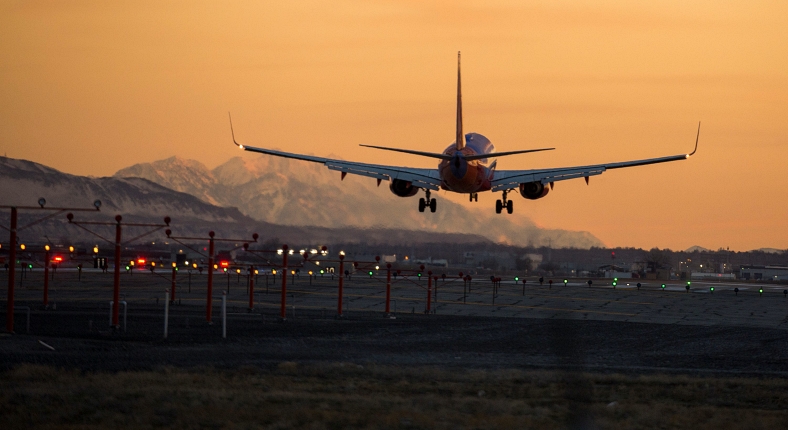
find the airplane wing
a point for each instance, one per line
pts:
(510, 179)
(421, 178)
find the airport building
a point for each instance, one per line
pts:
(765, 273)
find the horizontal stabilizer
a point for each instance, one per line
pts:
(410, 151)
(501, 154)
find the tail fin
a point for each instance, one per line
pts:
(460, 142)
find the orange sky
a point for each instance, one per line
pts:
(91, 87)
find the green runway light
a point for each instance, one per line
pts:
(29, 266)
(711, 289)
(516, 279)
(127, 268)
(663, 286)
(419, 275)
(565, 281)
(370, 273)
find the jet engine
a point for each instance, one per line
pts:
(533, 190)
(403, 188)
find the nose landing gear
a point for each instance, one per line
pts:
(427, 202)
(504, 203)
(474, 197)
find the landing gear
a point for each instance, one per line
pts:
(428, 202)
(474, 197)
(504, 203)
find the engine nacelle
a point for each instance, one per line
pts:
(533, 190)
(403, 188)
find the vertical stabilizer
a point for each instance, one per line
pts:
(460, 142)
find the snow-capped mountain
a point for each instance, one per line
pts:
(283, 191)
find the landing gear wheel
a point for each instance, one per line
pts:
(509, 207)
(433, 205)
(498, 206)
(422, 204)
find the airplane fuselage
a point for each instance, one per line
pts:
(463, 176)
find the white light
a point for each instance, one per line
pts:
(291, 252)
(317, 263)
(314, 251)
(341, 252)
(185, 263)
(278, 252)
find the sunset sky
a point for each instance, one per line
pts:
(92, 87)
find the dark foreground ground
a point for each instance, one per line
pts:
(706, 362)
(82, 340)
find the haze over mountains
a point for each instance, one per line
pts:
(291, 192)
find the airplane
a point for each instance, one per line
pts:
(464, 168)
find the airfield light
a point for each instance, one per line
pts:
(71, 249)
(194, 265)
(760, 291)
(377, 267)
(638, 285)
(322, 271)
(419, 274)
(292, 272)
(341, 252)
(22, 247)
(290, 252)
(152, 264)
(46, 247)
(225, 270)
(711, 289)
(689, 283)
(256, 272)
(29, 266)
(663, 286)
(279, 252)
(127, 268)
(224, 263)
(370, 273)
(273, 271)
(516, 279)
(237, 270)
(186, 263)
(565, 281)
(42, 201)
(141, 261)
(310, 273)
(215, 266)
(131, 263)
(58, 259)
(95, 249)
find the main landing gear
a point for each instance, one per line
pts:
(504, 203)
(427, 202)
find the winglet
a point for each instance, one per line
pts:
(232, 132)
(460, 137)
(696, 142)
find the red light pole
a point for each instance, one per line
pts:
(13, 230)
(211, 240)
(172, 284)
(341, 280)
(118, 236)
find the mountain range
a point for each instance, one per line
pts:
(296, 193)
(139, 200)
